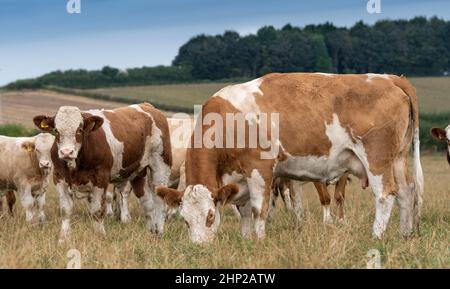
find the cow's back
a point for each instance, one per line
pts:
(308, 102)
(130, 132)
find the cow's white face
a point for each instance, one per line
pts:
(199, 211)
(68, 125)
(42, 147)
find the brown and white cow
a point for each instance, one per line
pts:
(180, 130)
(442, 135)
(97, 147)
(26, 168)
(322, 126)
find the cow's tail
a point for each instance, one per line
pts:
(418, 188)
(418, 179)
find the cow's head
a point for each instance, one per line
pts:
(442, 135)
(41, 147)
(198, 208)
(70, 126)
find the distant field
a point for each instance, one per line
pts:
(183, 95)
(287, 245)
(433, 93)
(19, 107)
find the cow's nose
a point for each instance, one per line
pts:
(66, 152)
(45, 164)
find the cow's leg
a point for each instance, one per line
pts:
(325, 200)
(260, 186)
(273, 198)
(151, 206)
(27, 201)
(109, 203)
(10, 200)
(40, 199)
(236, 212)
(295, 190)
(286, 195)
(246, 220)
(66, 206)
(405, 197)
(1, 203)
(158, 175)
(98, 209)
(384, 188)
(122, 192)
(339, 196)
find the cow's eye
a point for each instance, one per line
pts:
(79, 130)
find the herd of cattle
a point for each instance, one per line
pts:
(330, 126)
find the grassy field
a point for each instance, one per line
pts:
(433, 93)
(182, 95)
(287, 245)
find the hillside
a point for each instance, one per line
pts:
(19, 107)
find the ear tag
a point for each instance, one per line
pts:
(29, 149)
(44, 124)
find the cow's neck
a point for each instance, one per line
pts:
(201, 167)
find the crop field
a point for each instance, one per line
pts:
(309, 244)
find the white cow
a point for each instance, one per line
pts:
(26, 168)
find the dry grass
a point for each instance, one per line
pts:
(309, 245)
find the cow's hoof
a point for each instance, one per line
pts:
(125, 219)
(42, 219)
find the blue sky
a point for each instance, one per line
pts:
(38, 36)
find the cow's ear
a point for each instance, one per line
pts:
(28, 146)
(226, 193)
(44, 123)
(170, 196)
(439, 133)
(92, 123)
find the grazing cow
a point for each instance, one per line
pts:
(443, 135)
(180, 130)
(26, 168)
(97, 147)
(322, 126)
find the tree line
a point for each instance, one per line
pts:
(419, 47)
(416, 47)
